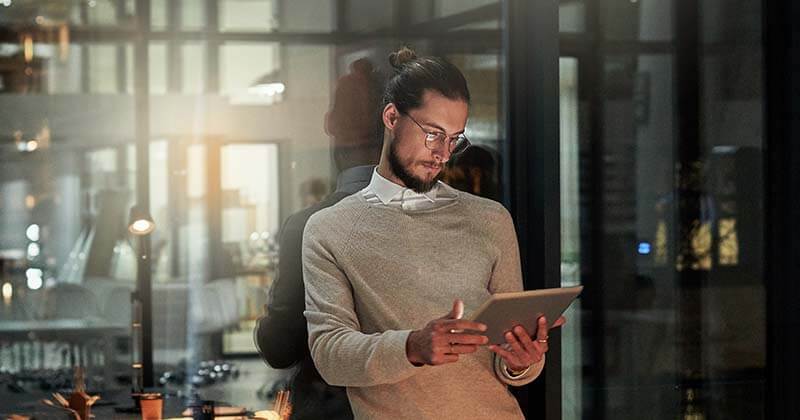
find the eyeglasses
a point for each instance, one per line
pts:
(434, 139)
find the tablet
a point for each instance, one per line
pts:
(503, 311)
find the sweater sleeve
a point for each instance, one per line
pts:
(343, 354)
(507, 277)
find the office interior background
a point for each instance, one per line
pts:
(647, 150)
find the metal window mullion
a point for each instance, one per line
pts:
(531, 74)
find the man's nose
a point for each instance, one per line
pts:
(441, 153)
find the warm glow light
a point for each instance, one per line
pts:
(27, 46)
(32, 145)
(30, 201)
(63, 42)
(32, 232)
(728, 242)
(34, 276)
(142, 226)
(8, 292)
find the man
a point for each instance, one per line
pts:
(382, 266)
(281, 335)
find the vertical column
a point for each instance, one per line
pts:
(782, 218)
(142, 131)
(212, 48)
(530, 46)
(594, 257)
(691, 268)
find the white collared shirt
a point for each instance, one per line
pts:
(381, 191)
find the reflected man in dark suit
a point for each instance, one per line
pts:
(281, 336)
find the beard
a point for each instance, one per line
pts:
(410, 180)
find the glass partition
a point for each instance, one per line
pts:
(662, 144)
(249, 108)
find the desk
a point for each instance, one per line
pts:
(71, 331)
(28, 404)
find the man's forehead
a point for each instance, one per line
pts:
(442, 112)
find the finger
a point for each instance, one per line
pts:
(473, 339)
(525, 338)
(541, 329)
(516, 347)
(500, 351)
(541, 348)
(461, 324)
(462, 349)
(559, 322)
(457, 311)
(444, 358)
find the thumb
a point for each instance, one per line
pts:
(458, 310)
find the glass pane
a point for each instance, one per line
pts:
(307, 16)
(678, 293)
(249, 65)
(572, 16)
(158, 14)
(37, 67)
(102, 12)
(193, 14)
(366, 15)
(571, 209)
(477, 169)
(67, 266)
(287, 122)
(249, 232)
(444, 8)
(159, 208)
(193, 66)
(158, 67)
(643, 20)
(247, 16)
(102, 68)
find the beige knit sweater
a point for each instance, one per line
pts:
(374, 273)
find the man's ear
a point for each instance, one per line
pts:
(390, 115)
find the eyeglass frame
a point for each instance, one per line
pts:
(452, 145)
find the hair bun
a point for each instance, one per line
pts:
(402, 56)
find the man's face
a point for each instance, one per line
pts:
(416, 165)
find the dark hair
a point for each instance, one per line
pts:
(353, 121)
(414, 75)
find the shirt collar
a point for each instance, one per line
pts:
(387, 190)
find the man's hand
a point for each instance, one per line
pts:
(443, 339)
(521, 350)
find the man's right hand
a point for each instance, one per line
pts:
(443, 339)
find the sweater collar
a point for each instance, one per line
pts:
(387, 190)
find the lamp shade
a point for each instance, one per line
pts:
(140, 222)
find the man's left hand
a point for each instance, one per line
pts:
(521, 350)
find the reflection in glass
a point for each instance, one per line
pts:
(247, 15)
(102, 68)
(193, 14)
(572, 378)
(669, 206)
(193, 67)
(217, 204)
(243, 64)
(249, 231)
